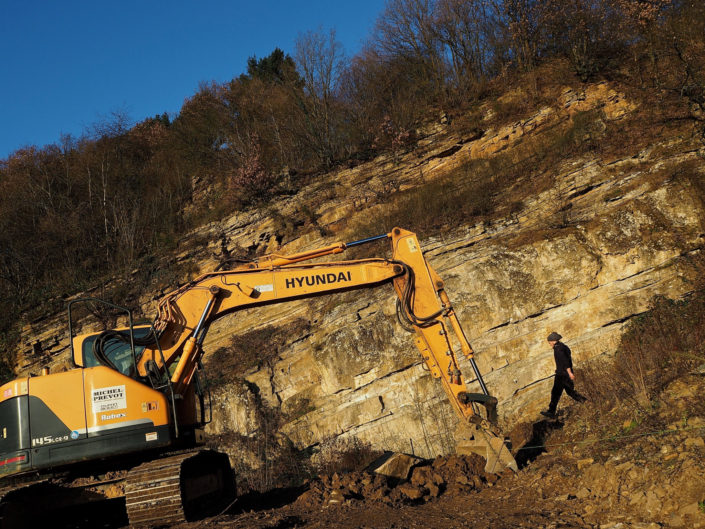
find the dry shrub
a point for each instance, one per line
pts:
(251, 183)
(658, 347)
(272, 462)
(265, 458)
(583, 134)
(465, 197)
(516, 105)
(297, 406)
(252, 350)
(344, 454)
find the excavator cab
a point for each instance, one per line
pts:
(120, 349)
(103, 408)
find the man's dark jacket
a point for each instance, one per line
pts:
(561, 353)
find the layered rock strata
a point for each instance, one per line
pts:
(581, 258)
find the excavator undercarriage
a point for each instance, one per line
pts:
(180, 487)
(173, 488)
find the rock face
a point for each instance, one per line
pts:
(580, 258)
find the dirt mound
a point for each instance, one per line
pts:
(450, 475)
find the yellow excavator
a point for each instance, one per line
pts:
(133, 408)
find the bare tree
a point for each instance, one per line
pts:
(463, 28)
(684, 32)
(524, 20)
(406, 29)
(320, 60)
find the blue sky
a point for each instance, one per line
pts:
(65, 65)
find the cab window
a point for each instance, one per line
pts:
(115, 348)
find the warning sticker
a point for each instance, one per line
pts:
(109, 399)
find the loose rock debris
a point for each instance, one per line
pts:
(450, 475)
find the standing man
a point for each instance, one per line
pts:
(564, 375)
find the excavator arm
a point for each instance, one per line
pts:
(423, 307)
(185, 315)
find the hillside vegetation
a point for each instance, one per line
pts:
(108, 203)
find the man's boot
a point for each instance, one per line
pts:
(548, 413)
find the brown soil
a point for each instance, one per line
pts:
(496, 507)
(446, 476)
(644, 480)
(649, 476)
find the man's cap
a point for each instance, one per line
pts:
(554, 337)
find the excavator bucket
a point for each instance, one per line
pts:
(481, 436)
(476, 439)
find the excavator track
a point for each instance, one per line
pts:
(14, 503)
(179, 488)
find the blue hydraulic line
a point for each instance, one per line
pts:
(365, 241)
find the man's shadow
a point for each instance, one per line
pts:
(535, 444)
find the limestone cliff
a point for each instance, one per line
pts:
(580, 257)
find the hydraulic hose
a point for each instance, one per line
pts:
(405, 306)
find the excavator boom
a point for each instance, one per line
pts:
(183, 315)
